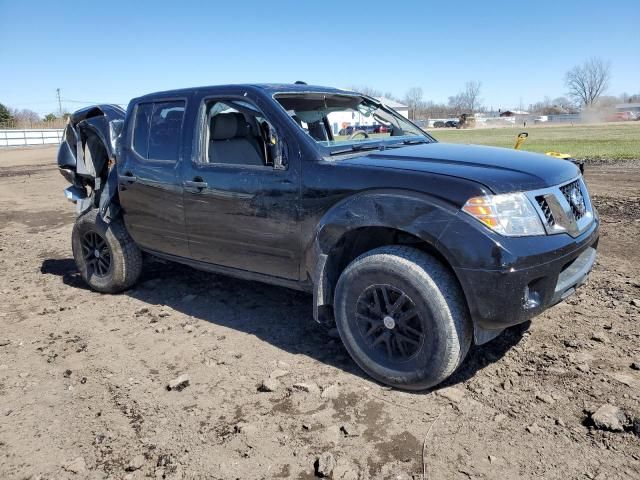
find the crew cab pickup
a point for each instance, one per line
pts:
(414, 249)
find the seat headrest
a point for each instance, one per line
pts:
(225, 126)
(174, 116)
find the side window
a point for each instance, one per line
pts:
(238, 133)
(141, 129)
(157, 127)
(166, 124)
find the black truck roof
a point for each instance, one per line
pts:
(265, 87)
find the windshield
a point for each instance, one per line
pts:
(349, 122)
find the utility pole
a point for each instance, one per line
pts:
(59, 101)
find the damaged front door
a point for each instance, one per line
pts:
(241, 195)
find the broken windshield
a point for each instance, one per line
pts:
(351, 122)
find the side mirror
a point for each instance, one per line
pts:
(116, 128)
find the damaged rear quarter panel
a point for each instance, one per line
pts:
(89, 144)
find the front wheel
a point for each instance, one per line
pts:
(402, 317)
(106, 256)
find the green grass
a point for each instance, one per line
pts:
(614, 141)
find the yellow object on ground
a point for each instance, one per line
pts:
(523, 136)
(564, 156)
(520, 140)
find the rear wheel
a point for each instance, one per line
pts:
(106, 256)
(402, 316)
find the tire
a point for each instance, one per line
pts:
(114, 246)
(418, 283)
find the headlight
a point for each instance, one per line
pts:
(509, 214)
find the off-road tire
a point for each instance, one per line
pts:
(125, 256)
(433, 290)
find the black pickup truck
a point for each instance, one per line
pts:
(413, 248)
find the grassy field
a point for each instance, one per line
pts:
(613, 141)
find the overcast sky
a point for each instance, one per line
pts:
(112, 51)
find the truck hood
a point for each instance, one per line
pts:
(502, 170)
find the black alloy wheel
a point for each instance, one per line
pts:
(402, 316)
(97, 254)
(389, 323)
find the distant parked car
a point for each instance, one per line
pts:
(621, 117)
(438, 124)
(381, 129)
(349, 130)
(450, 124)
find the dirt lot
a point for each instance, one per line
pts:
(83, 376)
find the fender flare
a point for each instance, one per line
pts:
(417, 214)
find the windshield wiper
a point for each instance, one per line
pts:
(406, 142)
(355, 148)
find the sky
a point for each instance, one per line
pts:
(112, 51)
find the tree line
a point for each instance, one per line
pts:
(466, 101)
(586, 84)
(25, 118)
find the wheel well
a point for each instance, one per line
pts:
(353, 244)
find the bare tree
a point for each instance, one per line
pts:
(544, 107)
(431, 109)
(468, 100)
(456, 104)
(472, 95)
(413, 100)
(564, 104)
(390, 96)
(607, 102)
(25, 118)
(588, 81)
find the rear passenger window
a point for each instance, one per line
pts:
(157, 128)
(141, 129)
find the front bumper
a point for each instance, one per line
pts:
(534, 280)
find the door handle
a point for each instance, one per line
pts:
(129, 177)
(196, 185)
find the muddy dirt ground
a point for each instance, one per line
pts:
(83, 376)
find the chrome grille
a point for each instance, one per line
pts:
(565, 208)
(546, 210)
(574, 195)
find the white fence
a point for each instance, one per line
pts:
(17, 138)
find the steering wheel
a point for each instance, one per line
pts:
(358, 132)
